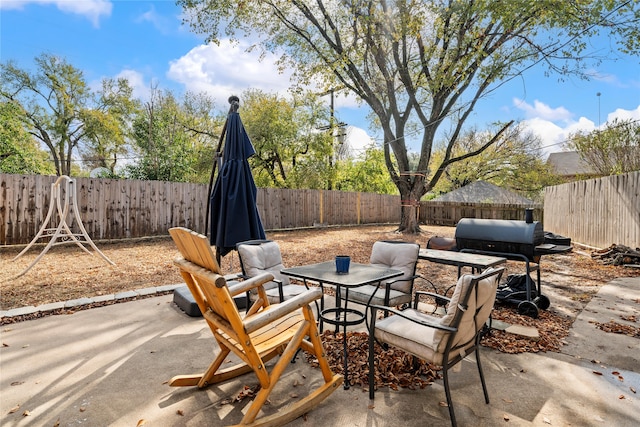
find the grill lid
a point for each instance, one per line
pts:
(496, 230)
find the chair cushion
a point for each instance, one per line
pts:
(409, 336)
(263, 258)
(400, 256)
(362, 294)
(288, 292)
(470, 323)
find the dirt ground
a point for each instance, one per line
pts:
(67, 272)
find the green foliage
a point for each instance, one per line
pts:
(162, 142)
(108, 125)
(19, 152)
(290, 151)
(367, 173)
(59, 110)
(613, 150)
(513, 162)
(51, 100)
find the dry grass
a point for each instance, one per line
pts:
(66, 272)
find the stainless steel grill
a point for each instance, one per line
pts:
(514, 240)
(505, 236)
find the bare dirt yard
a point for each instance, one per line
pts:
(66, 272)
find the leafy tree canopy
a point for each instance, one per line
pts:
(610, 151)
(19, 152)
(291, 151)
(513, 162)
(420, 64)
(59, 110)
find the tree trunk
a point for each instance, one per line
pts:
(409, 209)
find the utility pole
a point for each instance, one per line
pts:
(336, 129)
(598, 95)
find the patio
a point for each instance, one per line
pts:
(110, 366)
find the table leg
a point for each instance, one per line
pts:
(344, 343)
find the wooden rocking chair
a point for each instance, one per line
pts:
(264, 332)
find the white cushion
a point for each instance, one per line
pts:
(263, 258)
(409, 336)
(266, 257)
(483, 297)
(400, 256)
(362, 294)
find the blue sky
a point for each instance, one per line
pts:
(145, 42)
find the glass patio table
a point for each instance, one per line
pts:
(325, 273)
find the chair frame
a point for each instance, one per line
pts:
(266, 331)
(451, 356)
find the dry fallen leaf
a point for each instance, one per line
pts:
(507, 400)
(180, 412)
(4, 344)
(83, 408)
(444, 404)
(621, 397)
(633, 390)
(26, 413)
(17, 383)
(505, 417)
(597, 372)
(546, 420)
(141, 422)
(14, 409)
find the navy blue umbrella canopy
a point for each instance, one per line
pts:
(234, 213)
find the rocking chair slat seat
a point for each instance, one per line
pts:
(266, 331)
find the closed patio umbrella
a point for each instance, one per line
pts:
(234, 214)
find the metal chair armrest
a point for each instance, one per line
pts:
(402, 313)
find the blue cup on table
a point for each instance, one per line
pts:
(342, 264)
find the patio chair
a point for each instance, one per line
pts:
(443, 341)
(264, 256)
(265, 332)
(395, 292)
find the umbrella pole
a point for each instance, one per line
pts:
(213, 172)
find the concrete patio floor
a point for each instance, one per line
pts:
(110, 366)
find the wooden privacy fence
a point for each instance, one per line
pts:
(119, 209)
(596, 212)
(449, 213)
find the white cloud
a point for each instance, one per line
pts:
(358, 140)
(159, 22)
(554, 130)
(141, 89)
(621, 114)
(542, 110)
(226, 70)
(93, 10)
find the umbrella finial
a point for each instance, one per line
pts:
(235, 104)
